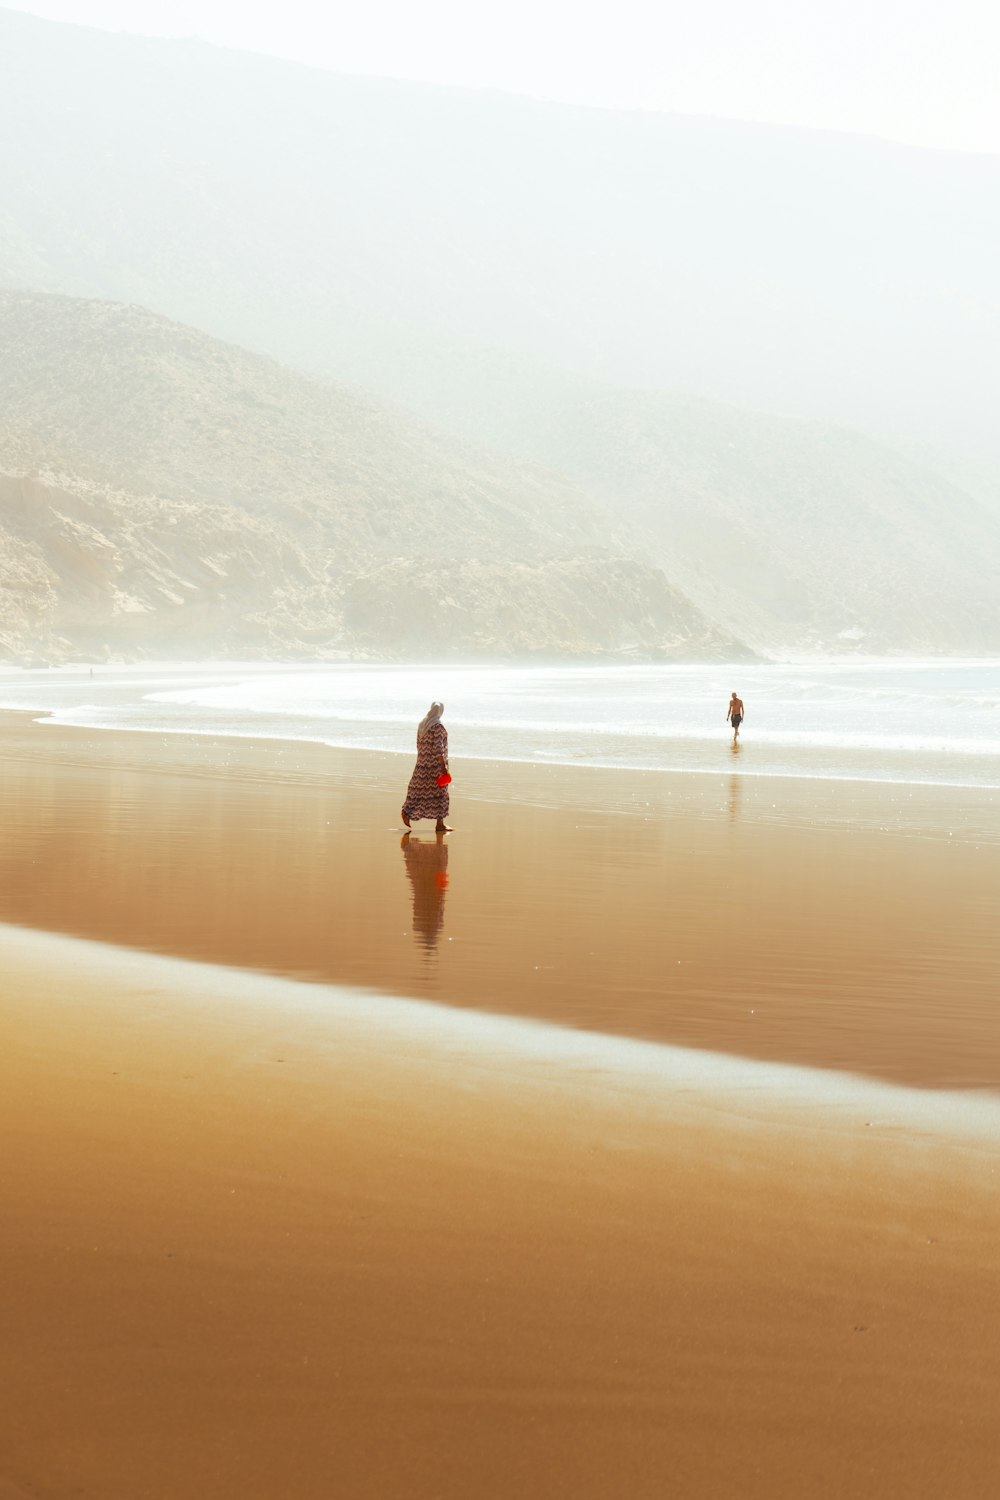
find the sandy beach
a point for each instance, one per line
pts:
(644, 1151)
(839, 925)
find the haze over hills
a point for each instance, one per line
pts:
(797, 533)
(519, 276)
(169, 491)
(338, 222)
(164, 490)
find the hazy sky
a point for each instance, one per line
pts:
(923, 71)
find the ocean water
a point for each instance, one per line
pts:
(911, 722)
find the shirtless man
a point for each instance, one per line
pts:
(735, 713)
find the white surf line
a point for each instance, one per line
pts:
(471, 1044)
(60, 719)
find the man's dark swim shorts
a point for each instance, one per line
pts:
(737, 720)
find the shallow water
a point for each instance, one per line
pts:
(907, 722)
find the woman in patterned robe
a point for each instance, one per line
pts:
(424, 798)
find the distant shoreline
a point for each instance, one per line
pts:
(879, 721)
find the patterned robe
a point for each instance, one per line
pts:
(424, 798)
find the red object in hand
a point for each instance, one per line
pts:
(444, 779)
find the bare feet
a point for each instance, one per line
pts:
(405, 819)
(442, 827)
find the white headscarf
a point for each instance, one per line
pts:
(432, 716)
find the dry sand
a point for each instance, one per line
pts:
(271, 1240)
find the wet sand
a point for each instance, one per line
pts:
(835, 925)
(263, 1240)
(266, 1239)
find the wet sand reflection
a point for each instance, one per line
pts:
(703, 917)
(427, 871)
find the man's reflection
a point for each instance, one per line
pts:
(427, 871)
(735, 791)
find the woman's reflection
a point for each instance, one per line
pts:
(427, 871)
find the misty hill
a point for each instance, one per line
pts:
(188, 494)
(164, 490)
(339, 223)
(798, 534)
